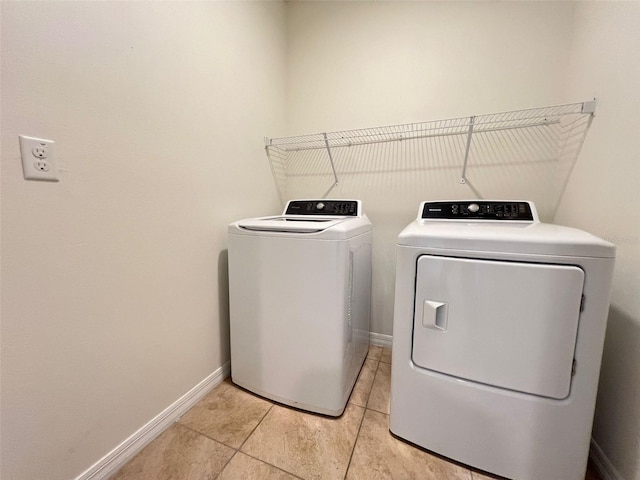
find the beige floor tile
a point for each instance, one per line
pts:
(227, 414)
(379, 397)
(244, 467)
(374, 352)
(378, 455)
(309, 446)
(385, 356)
(362, 388)
(176, 454)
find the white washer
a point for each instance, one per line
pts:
(300, 303)
(499, 325)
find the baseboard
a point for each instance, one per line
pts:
(380, 339)
(120, 455)
(601, 462)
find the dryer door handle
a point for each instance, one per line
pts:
(434, 315)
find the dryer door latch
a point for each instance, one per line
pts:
(434, 315)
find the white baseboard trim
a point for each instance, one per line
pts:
(120, 455)
(602, 463)
(380, 339)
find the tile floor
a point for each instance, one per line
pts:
(233, 434)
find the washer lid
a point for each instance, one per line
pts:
(289, 224)
(321, 218)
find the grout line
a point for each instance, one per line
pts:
(235, 450)
(272, 465)
(371, 388)
(346, 472)
(256, 427)
(206, 436)
(363, 414)
(225, 465)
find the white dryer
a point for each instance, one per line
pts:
(499, 325)
(300, 301)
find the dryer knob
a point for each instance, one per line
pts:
(320, 206)
(473, 208)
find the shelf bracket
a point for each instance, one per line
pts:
(590, 106)
(463, 176)
(333, 167)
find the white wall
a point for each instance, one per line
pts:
(113, 280)
(362, 64)
(367, 64)
(602, 197)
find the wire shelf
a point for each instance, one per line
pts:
(538, 145)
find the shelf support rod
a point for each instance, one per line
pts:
(333, 167)
(463, 176)
(273, 170)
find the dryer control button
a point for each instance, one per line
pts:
(320, 206)
(473, 208)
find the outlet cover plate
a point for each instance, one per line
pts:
(38, 159)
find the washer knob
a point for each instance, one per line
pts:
(473, 208)
(320, 206)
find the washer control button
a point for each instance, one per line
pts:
(320, 206)
(473, 208)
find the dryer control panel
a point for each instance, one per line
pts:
(478, 210)
(343, 208)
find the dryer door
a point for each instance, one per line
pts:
(507, 324)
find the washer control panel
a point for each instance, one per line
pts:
(478, 210)
(345, 208)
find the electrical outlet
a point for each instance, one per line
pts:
(39, 152)
(38, 159)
